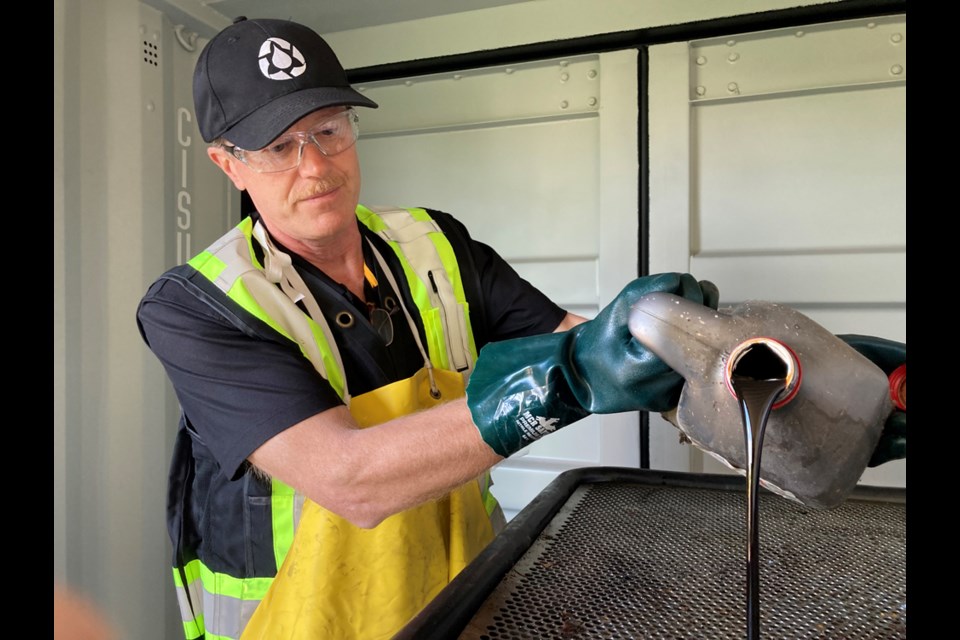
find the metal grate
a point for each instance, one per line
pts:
(621, 560)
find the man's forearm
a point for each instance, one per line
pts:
(366, 475)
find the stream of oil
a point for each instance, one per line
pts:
(756, 395)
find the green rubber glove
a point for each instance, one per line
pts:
(522, 389)
(889, 356)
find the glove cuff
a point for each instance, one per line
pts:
(515, 406)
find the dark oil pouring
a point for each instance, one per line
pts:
(758, 378)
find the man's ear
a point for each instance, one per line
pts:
(228, 164)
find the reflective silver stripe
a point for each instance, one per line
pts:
(409, 232)
(186, 612)
(298, 500)
(232, 245)
(224, 616)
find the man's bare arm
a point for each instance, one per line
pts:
(366, 475)
(569, 322)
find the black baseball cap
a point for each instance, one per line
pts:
(257, 77)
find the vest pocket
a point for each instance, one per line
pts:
(237, 530)
(258, 528)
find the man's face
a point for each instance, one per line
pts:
(310, 203)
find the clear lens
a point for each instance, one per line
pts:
(332, 137)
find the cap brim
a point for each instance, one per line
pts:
(262, 126)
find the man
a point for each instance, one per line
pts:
(319, 352)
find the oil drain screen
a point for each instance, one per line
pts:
(624, 553)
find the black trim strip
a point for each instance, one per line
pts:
(643, 209)
(830, 12)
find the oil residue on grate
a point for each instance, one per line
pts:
(622, 560)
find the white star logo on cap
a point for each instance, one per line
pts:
(280, 60)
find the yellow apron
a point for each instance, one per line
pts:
(339, 581)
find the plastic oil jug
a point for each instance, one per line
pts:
(823, 426)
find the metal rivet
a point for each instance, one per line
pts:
(871, 25)
(733, 57)
(150, 106)
(799, 34)
(564, 63)
(457, 76)
(896, 38)
(730, 43)
(564, 104)
(896, 69)
(564, 77)
(701, 91)
(592, 102)
(733, 87)
(701, 60)
(361, 89)
(143, 29)
(592, 73)
(409, 83)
